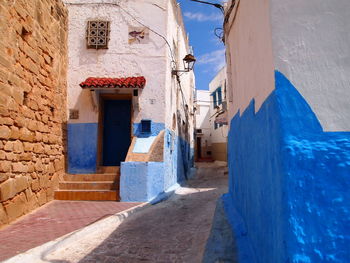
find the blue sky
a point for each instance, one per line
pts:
(200, 21)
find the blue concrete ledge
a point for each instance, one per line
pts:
(141, 181)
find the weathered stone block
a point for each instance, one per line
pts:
(28, 147)
(3, 177)
(31, 168)
(26, 135)
(19, 167)
(6, 121)
(41, 197)
(39, 167)
(7, 189)
(59, 164)
(33, 126)
(10, 156)
(38, 136)
(21, 183)
(3, 216)
(14, 133)
(32, 202)
(16, 207)
(8, 146)
(18, 147)
(35, 185)
(4, 132)
(26, 157)
(5, 166)
(2, 155)
(44, 180)
(38, 148)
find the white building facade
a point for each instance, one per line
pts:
(203, 128)
(128, 108)
(218, 116)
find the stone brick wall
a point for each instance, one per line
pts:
(33, 64)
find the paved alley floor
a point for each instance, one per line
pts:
(175, 230)
(53, 220)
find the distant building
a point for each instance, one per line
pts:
(127, 107)
(288, 75)
(218, 116)
(203, 128)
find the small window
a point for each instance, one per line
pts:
(214, 99)
(97, 34)
(199, 130)
(145, 126)
(219, 96)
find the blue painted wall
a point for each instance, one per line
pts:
(156, 128)
(147, 181)
(82, 147)
(289, 182)
(178, 159)
(141, 181)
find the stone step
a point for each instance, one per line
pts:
(108, 169)
(88, 185)
(92, 177)
(87, 195)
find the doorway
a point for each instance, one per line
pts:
(199, 148)
(116, 131)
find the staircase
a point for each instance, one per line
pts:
(102, 186)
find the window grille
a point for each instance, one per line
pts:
(97, 35)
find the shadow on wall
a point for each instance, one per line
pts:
(289, 181)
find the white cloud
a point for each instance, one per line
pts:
(201, 17)
(214, 60)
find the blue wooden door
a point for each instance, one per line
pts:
(116, 131)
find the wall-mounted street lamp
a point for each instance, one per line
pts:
(188, 61)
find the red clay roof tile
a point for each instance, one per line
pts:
(130, 82)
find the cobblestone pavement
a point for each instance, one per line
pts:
(175, 230)
(53, 220)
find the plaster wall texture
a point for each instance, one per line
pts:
(179, 98)
(218, 135)
(284, 169)
(202, 118)
(178, 121)
(33, 67)
(311, 47)
(121, 59)
(249, 59)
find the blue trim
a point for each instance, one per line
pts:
(82, 147)
(156, 128)
(289, 182)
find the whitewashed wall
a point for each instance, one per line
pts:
(311, 47)
(203, 114)
(250, 69)
(178, 95)
(121, 59)
(218, 135)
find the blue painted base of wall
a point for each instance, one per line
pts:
(155, 181)
(82, 147)
(289, 182)
(141, 181)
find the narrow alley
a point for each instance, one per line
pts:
(175, 230)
